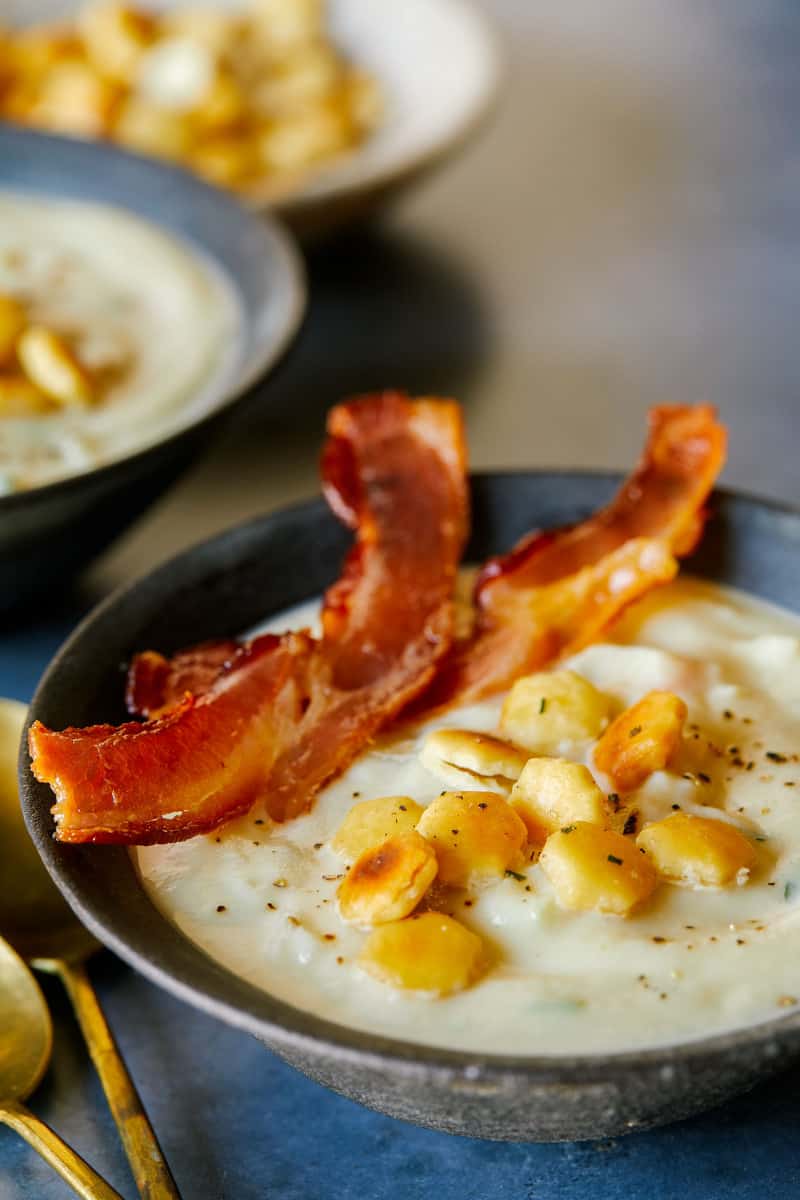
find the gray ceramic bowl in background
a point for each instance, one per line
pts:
(439, 67)
(48, 532)
(251, 572)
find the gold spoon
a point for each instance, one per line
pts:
(24, 1055)
(42, 928)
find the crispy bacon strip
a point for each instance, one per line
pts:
(156, 684)
(281, 716)
(557, 591)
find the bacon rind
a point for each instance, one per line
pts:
(555, 591)
(281, 716)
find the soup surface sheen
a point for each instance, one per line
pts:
(261, 898)
(128, 295)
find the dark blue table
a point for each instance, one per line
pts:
(627, 232)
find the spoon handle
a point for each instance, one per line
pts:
(153, 1176)
(70, 1166)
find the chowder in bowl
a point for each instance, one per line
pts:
(570, 1073)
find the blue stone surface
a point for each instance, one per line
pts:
(557, 341)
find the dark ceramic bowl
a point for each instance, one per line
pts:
(50, 531)
(228, 585)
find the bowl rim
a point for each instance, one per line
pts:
(277, 241)
(395, 172)
(306, 1033)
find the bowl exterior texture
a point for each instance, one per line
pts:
(236, 580)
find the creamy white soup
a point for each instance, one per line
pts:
(261, 898)
(152, 322)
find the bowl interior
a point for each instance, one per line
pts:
(436, 60)
(254, 257)
(229, 584)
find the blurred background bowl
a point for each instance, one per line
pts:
(437, 64)
(48, 532)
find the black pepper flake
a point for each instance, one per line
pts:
(259, 821)
(614, 801)
(339, 959)
(454, 831)
(701, 775)
(402, 808)
(567, 828)
(749, 766)
(634, 731)
(483, 804)
(773, 756)
(630, 823)
(612, 858)
(543, 704)
(318, 845)
(468, 903)
(515, 875)
(733, 749)
(329, 937)
(221, 908)
(658, 940)
(272, 907)
(740, 942)
(789, 783)
(728, 715)
(675, 807)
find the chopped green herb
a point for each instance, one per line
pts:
(613, 858)
(567, 828)
(543, 704)
(634, 730)
(789, 890)
(614, 801)
(515, 875)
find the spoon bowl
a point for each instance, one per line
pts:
(34, 917)
(27, 1031)
(24, 1054)
(41, 927)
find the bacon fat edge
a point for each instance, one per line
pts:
(556, 591)
(275, 719)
